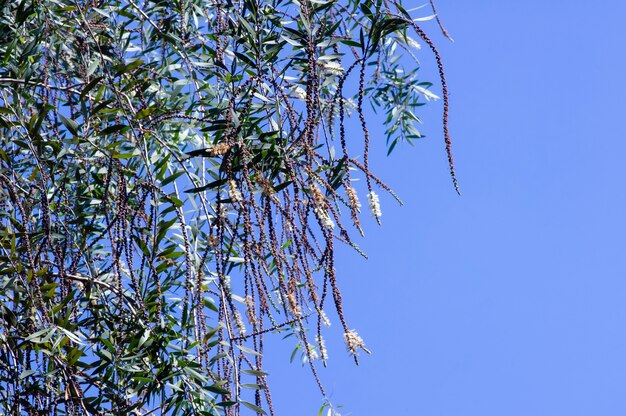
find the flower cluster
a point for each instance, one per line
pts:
(318, 196)
(331, 67)
(354, 199)
(240, 325)
(250, 310)
(327, 222)
(268, 190)
(219, 149)
(324, 318)
(313, 352)
(293, 304)
(354, 342)
(233, 192)
(320, 210)
(372, 197)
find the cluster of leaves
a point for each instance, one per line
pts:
(170, 191)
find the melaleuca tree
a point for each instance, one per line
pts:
(174, 176)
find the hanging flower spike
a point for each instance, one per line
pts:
(372, 197)
(354, 342)
(327, 222)
(250, 310)
(332, 67)
(219, 149)
(233, 191)
(320, 207)
(324, 319)
(354, 199)
(313, 352)
(317, 195)
(240, 325)
(294, 305)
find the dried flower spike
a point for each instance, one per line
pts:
(293, 304)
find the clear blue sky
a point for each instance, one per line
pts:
(511, 299)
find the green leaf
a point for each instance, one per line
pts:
(145, 112)
(257, 373)
(70, 124)
(87, 88)
(217, 389)
(172, 178)
(123, 69)
(26, 373)
(211, 185)
(42, 336)
(225, 404)
(119, 128)
(247, 350)
(252, 386)
(253, 407)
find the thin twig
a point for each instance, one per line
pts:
(443, 29)
(70, 88)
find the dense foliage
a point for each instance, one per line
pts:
(174, 176)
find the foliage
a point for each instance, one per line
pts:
(171, 191)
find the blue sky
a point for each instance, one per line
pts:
(511, 299)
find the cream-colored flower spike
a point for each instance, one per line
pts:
(354, 342)
(313, 352)
(333, 67)
(324, 318)
(233, 191)
(327, 222)
(354, 198)
(372, 197)
(240, 325)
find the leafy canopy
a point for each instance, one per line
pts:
(174, 176)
